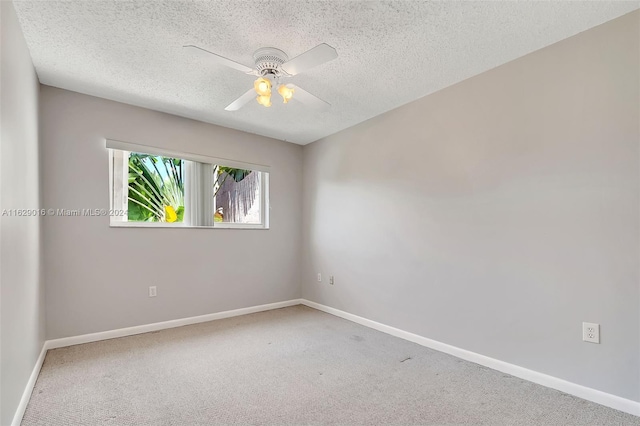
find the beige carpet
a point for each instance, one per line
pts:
(289, 366)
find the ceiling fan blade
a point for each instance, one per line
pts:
(308, 99)
(311, 58)
(242, 100)
(220, 59)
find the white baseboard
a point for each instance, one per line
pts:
(139, 329)
(603, 398)
(129, 331)
(26, 395)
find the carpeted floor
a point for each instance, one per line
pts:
(288, 366)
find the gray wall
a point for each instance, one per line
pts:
(97, 277)
(496, 215)
(21, 289)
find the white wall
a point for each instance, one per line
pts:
(21, 289)
(496, 215)
(97, 277)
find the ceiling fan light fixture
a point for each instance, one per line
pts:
(262, 86)
(271, 65)
(264, 100)
(286, 93)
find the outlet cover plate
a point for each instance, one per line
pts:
(591, 332)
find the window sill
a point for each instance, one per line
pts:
(161, 225)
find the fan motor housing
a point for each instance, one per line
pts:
(268, 61)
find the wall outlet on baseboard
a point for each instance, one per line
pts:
(319, 277)
(591, 332)
(153, 291)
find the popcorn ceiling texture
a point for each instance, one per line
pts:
(390, 53)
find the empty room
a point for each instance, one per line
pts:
(341, 212)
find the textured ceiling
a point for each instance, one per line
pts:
(390, 52)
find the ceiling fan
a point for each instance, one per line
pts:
(272, 65)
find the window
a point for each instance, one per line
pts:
(151, 187)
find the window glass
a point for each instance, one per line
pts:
(237, 196)
(155, 189)
(170, 191)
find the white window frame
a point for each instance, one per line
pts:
(116, 201)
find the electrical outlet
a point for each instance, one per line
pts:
(331, 280)
(153, 291)
(319, 277)
(591, 332)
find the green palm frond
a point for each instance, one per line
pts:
(155, 183)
